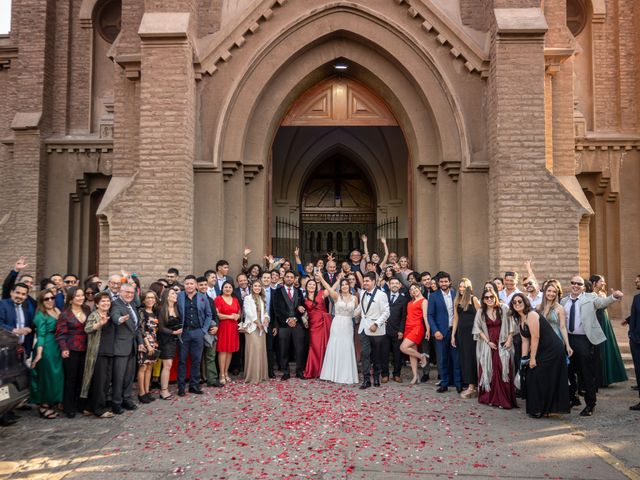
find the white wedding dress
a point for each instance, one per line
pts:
(339, 364)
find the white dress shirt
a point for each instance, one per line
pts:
(577, 323)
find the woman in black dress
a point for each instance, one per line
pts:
(464, 313)
(169, 329)
(547, 385)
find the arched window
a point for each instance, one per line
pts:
(350, 236)
(330, 241)
(339, 242)
(311, 241)
(319, 242)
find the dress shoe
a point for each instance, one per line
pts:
(397, 378)
(634, 387)
(129, 406)
(7, 421)
(424, 378)
(143, 399)
(442, 389)
(117, 409)
(12, 415)
(376, 381)
(24, 408)
(150, 397)
(285, 377)
(575, 402)
(215, 384)
(196, 390)
(459, 389)
(365, 384)
(587, 411)
(235, 372)
(181, 392)
(385, 379)
(272, 375)
(636, 407)
(70, 414)
(300, 376)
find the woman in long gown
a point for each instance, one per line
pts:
(340, 364)
(47, 376)
(493, 332)
(612, 366)
(254, 326)
(553, 312)
(465, 307)
(319, 326)
(547, 377)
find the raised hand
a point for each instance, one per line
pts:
(330, 257)
(617, 294)
(20, 264)
(383, 240)
(364, 238)
(246, 252)
(296, 252)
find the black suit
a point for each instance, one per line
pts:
(126, 338)
(237, 358)
(284, 308)
(395, 324)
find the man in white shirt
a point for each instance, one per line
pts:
(373, 340)
(534, 295)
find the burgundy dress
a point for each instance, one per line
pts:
(228, 336)
(502, 394)
(319, 327)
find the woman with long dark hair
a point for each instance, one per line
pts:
(415, 331)
(255, 328)
(229, 310)
(148, 325)
(465, 306)
(493, 332)
(169, 331)
(547, 377)
(72, 340)
(47, 378)
(319, 325)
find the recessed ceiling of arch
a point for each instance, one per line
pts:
(222, 46)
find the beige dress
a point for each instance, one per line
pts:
(255, 347)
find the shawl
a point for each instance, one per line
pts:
(483, 350)
(93, 344)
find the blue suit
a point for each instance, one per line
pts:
(8, 320)
(448, 361)
(634, 334)
(193, 337)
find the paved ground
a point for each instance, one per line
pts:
(317, 430)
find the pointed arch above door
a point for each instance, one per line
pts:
(339, 101)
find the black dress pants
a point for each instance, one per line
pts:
(100, 384)
(295, 335)
(73, 372)
(393, 347)
(583, 362)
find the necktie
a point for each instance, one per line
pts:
(393, 298)
(290, 294)
(572, 315)
(133, 315)
(20, 321)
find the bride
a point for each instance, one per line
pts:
(339, 364)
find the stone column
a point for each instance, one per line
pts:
(151, 213)
(532, 215)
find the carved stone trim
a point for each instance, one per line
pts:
(8, 53)
(130, 63)
(452, 168)
(250, 172)
(430, 171)
(229, 168)
(80, 145)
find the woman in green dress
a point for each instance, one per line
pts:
(612, 366)
(47, 378)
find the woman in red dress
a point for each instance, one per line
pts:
(228, 308)
(319, 327)
(416, 329)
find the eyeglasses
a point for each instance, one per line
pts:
(89, 292)
(488, 297)
(577, 283)
(48, 299)
(509, 274)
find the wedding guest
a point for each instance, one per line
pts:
(395, 330)
(633, 320)
(209, 365)
(172, 277)
(585, 334)
(72, 341)
(551, 309)
(374, 257)
(17, 275)
(241, 291)
(340, 364)
(287, 310)
(169, 331)
(546, 373)
(16, 316)
(612, 369)
(534, 295)
(465, 306)
(441, 321)
(96, 379)
(149, 330)
(255, 327)
(493, 331)
(319, 325)
(93, 279)
(89, 295)
(229, 310)
(47, 377)
(416, 329)
(499, 283)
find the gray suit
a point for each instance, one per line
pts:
(589, 303)
(126, 338)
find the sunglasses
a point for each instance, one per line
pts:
(69, 282)
(518, 302)
(48, 299)
(528, 284)
(488, 297)
(577, 283)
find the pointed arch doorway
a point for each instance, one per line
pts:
(339, 170)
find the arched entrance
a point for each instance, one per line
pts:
(339, 170)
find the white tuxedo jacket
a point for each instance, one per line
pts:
(373, 311)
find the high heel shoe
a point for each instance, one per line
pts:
(424, 360)
(415, 381)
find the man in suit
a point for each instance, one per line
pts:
(241, 291)
(16, 316)
(272, 329)
(372, 331)
(331, 274)
(15, 276)
(440, 315)
(196, 315)
(209, 366)
(288, 309)
(221, 276)
(585, 334)
(127, 341)
(398, 301)
(634, 336)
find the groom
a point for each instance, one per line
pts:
(375, 312)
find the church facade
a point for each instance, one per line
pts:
(472, 134)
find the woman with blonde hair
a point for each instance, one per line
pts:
(465, 306)
(254, 326)
(551, 309)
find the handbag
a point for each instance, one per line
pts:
(522, 377)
